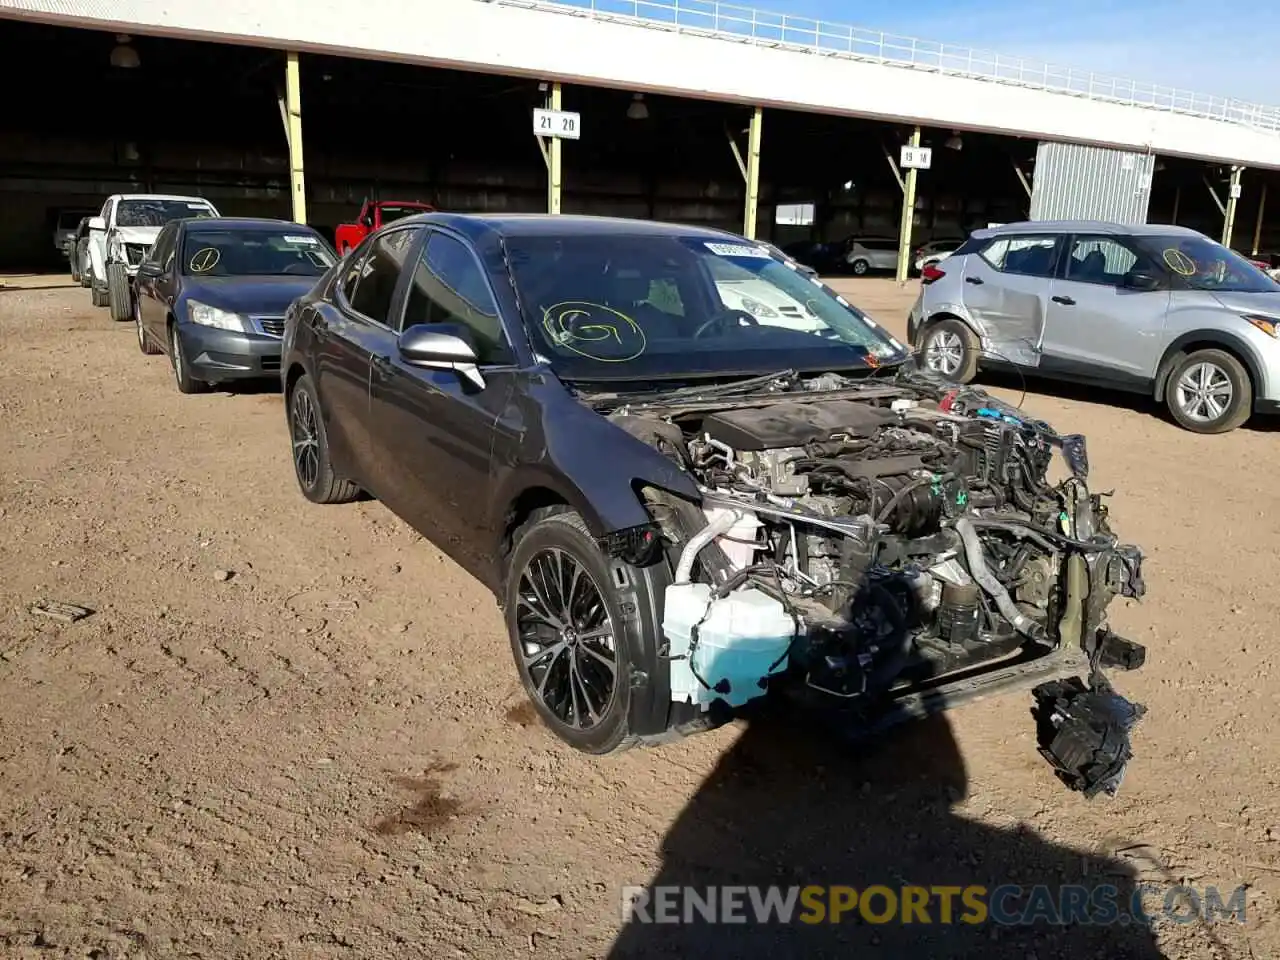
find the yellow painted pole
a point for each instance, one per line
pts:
(293, 104)
(1229, 224)
(753, 174)
(1257, 224)
(554, 158)
(908, 214)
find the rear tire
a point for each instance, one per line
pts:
(97, 293)
(73, 263)
(119, 293)
(1209, 391)
(309, 443)
(144, 341)
(950, 349)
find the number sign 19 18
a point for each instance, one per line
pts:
(564, 124)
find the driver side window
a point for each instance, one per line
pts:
(161, 253)
(448, 286)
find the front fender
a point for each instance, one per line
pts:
(1231, 341)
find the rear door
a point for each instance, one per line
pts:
(1097, 325)
(355, 328)
(1006, 293)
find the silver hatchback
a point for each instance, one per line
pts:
(1159, 310)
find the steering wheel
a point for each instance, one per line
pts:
(296, 268)
(729, 317)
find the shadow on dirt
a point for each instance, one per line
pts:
(788, 807)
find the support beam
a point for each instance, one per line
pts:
(1233, 197)
(1022, 178)
(908, 214)
(1257, 223)
(1213, 195)
(753, 174)
(1177, 202)
(293, 107)
(555, 156)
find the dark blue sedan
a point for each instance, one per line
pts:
(212, 294)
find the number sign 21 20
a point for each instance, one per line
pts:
(563, 124)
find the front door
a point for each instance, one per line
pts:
(434, 431)
(156, 284)
(1006, 293)
(1099, 326)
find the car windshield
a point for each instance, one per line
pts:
(246, 252)
(608, 307)
(1206, 265)
(155, 212)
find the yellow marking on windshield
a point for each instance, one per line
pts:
(564, 325)
(204, 259)
(1179, 262)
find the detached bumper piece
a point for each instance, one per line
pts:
(1083, 731)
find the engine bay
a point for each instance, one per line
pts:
(858, 539)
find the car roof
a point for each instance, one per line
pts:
(480, 225)
(161, 196)
(1100, 227)
(244, 223)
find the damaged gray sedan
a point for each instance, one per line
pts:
(696, 478)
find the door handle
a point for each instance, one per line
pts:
(1065, 301)
(974, 280)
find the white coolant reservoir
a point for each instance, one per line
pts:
(738, 541)
(740, 637)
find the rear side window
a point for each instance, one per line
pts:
(1025, 256)
(879, 245)
(379, 274)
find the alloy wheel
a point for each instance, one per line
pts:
(175, 354)
(305, 434)
(567, 639)
(944, 353)
(137, 322)
(1204, 392)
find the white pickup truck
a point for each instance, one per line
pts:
(121, 235)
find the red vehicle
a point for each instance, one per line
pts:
(374, 214)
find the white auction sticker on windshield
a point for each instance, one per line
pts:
(738, 250)
(299, 239)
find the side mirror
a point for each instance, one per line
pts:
(1142, 280)
(97, 223)
(442, 346)
(149, 268)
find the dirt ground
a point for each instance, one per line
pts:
(296, 731)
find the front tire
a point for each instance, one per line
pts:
(186, 383)
(568, 634)
(119, 294)
(860, 268)
(1209, 391)
(312, 465)
(950, 349)
(97, 293)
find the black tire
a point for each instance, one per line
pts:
(559, 531)
(145, 343)
(97, 293)
(119, 293)
(181, 367)
(941, 338)
(1224, 371)
(317, 480)
(860, 268)
(82, 259)
(73, 263)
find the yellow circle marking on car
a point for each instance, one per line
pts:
(561, 321)
(205, 259)
(1179, 262)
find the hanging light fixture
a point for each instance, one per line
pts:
(638, 109)
(123, 55)
(954, 142)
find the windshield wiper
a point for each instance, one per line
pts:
(729, 389)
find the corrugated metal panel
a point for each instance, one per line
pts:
(1076, 182)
